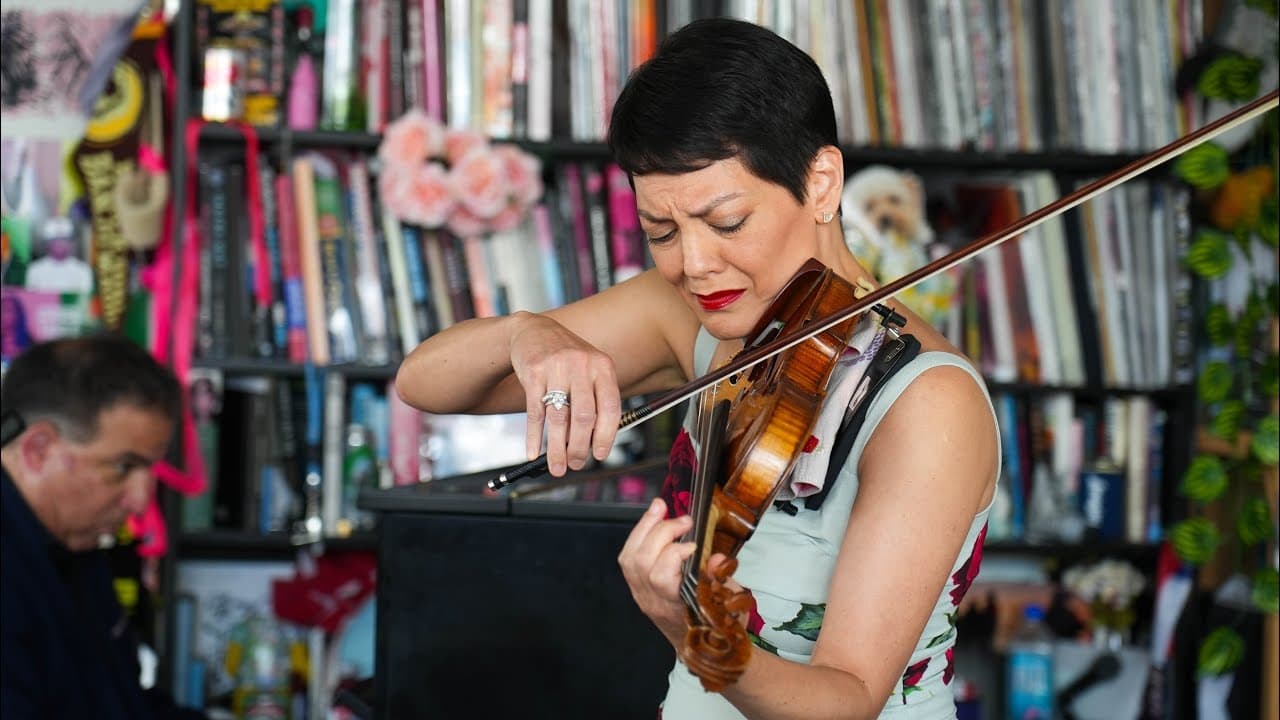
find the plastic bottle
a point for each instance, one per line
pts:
(1030, 677)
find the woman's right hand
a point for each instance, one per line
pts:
(546, 356)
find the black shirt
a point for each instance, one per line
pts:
(66, 649)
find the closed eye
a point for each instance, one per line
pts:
(660, 239)
(730, 229)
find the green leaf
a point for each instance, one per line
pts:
(1226, 424)
(1214, 382)
(1233, 78)
(941, 637)
(1266, 590)
(1204, 167)
(1210, 253)
(807, 622)
(1250, 325)
(1269, 376)
(1195, 540)
(1269, 221)
(1205, 480)
(762, 643)
(1266, 440)
(1218, 325)
(1254, 521)
(1220, 652)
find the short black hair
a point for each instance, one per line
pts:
(720, 88)
(72, 381)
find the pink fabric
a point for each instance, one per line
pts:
(149, 527)
(183, 482)
(150, 159)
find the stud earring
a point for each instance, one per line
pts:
(826, 217)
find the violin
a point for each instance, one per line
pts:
(754, 433)
(763, 404)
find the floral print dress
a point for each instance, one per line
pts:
(788, 562)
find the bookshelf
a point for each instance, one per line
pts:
(1068, 164)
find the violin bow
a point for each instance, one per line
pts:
(756, 355)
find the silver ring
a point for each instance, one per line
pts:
(558, 399)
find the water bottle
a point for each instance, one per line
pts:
(1030, 678)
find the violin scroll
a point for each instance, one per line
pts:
(718, 649)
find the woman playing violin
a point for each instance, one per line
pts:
(729, 137)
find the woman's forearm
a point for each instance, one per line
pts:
(464, 368)
(773, 688)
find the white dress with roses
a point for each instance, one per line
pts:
(788, 562)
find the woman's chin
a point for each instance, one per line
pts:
(727, 326)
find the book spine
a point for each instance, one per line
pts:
(343, 346)
(309, 255)
(271, 235)
(368, 282)
(291, 271)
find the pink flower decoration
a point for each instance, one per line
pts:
(523, 173)
(412, 139)
(479, 184)
(429, 196)
(475, 190)
(465, 223)
(459, 144)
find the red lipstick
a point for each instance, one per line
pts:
(719, 300)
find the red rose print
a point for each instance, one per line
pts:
(963, 577)
(911, 678)
(679, 505)
(680, 466)
(755, 623)
(950, 670)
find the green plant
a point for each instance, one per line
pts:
(1233, 244)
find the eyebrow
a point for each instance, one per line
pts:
(134, 458)
(703, 212)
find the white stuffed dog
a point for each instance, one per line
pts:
(886, 229)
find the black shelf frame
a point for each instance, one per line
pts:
(1067, 162)
(1072, 552)
(231, 545)
(275, 367)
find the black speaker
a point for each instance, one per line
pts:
(494, 616)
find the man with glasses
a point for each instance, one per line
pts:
(84, 420)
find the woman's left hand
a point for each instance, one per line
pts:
(652, 560)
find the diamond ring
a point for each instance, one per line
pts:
(558, 399)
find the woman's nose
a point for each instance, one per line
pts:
(700, 254)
